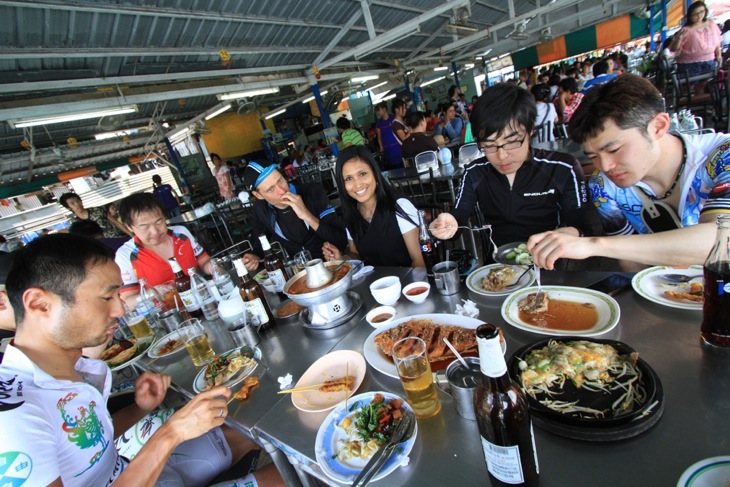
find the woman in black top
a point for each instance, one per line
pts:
(382, 225)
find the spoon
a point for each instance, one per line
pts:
(517, 282)
(678, 278)
(463, 362)
(249, 352)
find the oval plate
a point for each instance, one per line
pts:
(142, 345)
(382, 363)
(649, 285)
(474, 280)
(607, 307)
(331, 366)
(154, 350)
(709, 472)
(199, 382)
(326, 448)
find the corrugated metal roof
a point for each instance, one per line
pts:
(56, 55)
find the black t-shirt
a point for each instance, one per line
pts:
(416, 143)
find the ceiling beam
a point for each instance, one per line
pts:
(107, 52)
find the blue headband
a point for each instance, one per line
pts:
(264, 172)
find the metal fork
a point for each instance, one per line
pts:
(540, 293)
(402, 432)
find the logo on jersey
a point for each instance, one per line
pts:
(83, 429)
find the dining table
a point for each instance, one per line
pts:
(694, 378)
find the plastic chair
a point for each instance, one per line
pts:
(419, 191)
(469, 152)
(426, 160)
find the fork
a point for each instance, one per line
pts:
(474, 229)
(540, 293)
(401, 433)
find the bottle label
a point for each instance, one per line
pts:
(189, 300)
(426, 247)
(503, 462)
(277, 278)
(491, 360)
(255, 312)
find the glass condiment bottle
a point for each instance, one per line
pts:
(503, 417)
(258, 311)
(716, 306)
(184, 289)
(427, 244)
(221, 278)
(274, 265)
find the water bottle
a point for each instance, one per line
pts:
(204, 297)
(221, 278)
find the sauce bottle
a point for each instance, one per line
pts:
(274, 265)
(716, 305)
(503, 418)
(257, 310)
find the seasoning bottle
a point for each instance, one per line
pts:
(503, 417)
(716, 305)
(428, 247)
(257, 310)
(274, 265)
(184, 289)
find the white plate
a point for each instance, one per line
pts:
(325, 445)
(154, 350)
(649, 285)
(142, 346)
(242, 373)
(607, 307)
(331, 366)
(474, 280)
(709, 472)
(382, 363)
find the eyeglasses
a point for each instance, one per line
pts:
(512, 145)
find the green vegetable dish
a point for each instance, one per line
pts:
(369, 428)
(519, 255)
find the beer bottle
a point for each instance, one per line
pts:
(716, 305)
(274, 265)
(257, 310)
(503, 417)
(428, 247)
(184, 289)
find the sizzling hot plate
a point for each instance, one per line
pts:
(580, 426)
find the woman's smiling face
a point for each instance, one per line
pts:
(359, 180)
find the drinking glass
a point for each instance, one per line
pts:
(196, 342)
(302, 258)
(137, 323)
(411, 360)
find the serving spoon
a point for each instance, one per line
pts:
(678, 278)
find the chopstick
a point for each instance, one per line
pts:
(347, 386)
(312, 387)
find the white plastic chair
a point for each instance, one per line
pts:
(425, 160)
(469, 152)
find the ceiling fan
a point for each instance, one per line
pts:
(519, 31)
(246, 107)
(111, 122)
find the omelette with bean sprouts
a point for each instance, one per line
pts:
(591, 366)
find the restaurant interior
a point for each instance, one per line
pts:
(97, 97)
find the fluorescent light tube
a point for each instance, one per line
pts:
(71, 117)
(441, 68)
(245, 94)
(307, 100)
(272, 115)
(432, 81)
(219, 111)
(363, 78)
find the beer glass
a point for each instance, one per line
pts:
(411, 361)
(196, 342)
(301, 259)
(137, 323)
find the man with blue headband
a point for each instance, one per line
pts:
(300, 217)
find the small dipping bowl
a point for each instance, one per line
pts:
(417, 292)
(386, 290)
(380, 316)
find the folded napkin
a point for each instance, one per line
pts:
(364, 271)
(285, 382)
(468, 309)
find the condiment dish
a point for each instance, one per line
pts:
(386, 290)
(417, 292)
(380, 316)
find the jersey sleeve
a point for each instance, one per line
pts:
(466, 197)
(717, 180)
(330, 228)
(124, 261)
(29, 452)
(198, 250)
(613, 219)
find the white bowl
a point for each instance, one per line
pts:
(418, 298)
(386, 290)
(380, 310)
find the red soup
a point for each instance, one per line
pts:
(416, 291)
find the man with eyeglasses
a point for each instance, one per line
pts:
(658, 193)
(519, 194)
(147, 253)
(299, 217)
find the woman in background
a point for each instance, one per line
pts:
(382, 225)
(697, 44)
(223, 176)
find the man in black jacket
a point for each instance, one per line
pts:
(300, 217)
(518, 192)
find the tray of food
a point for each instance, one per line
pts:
(227, 369)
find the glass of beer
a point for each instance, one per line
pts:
(137, 323)
(196, 342)
(301, 259)
(411, 360)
